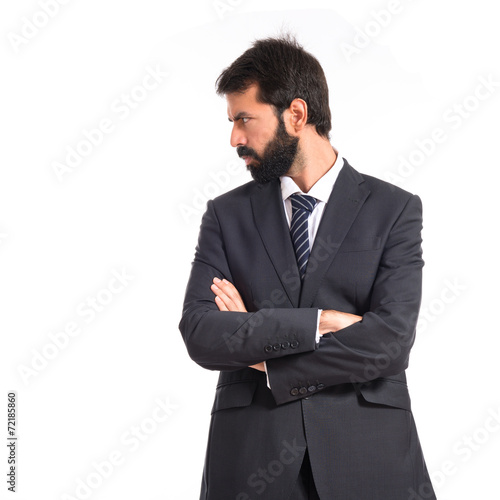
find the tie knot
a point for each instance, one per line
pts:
(303, 202)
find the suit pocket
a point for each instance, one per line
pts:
(386, 392)
(234, 395)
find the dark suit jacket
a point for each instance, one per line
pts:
(346, 398)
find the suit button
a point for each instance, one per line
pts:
(277, 347)
(294, 344)
(268, 348)
(303, 390)
(294, 391)
(311, 388)
(285, 345)
(320, 386)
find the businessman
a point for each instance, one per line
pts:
(304, 293)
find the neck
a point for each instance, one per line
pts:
(316, 156)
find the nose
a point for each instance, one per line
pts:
(237, 137)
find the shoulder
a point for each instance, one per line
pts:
(379, 189)
(239, 197)
(241, 192)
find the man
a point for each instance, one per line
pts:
(304, 293)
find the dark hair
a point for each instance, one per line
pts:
(283, 71)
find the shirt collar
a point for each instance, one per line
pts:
(323, 187)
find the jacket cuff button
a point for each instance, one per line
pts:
(294, 391)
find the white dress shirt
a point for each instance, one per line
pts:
(321, 190)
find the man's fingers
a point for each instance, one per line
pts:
(233, 294)
(332, 320)
(219, 293)
(229, 295)
(220, 304)
(228, 288)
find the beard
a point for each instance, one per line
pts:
(279, 155)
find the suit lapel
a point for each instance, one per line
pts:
(344, 204)
(270, 219)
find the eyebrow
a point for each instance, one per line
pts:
(241, 114)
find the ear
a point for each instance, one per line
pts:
(298, 114)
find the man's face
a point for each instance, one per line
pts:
(260, 137)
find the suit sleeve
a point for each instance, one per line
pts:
(377, 346)
(224, 340)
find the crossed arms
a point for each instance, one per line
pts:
(221, 335)
(228, 298)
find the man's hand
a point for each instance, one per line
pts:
(258, 366)
(331, 320)
(228, 298)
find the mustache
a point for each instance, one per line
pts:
(246, 151)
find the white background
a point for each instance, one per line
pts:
(134, 203)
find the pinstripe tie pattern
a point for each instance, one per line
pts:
(302, 206)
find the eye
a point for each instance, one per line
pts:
(245, 119)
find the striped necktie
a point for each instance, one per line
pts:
(302, 206)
